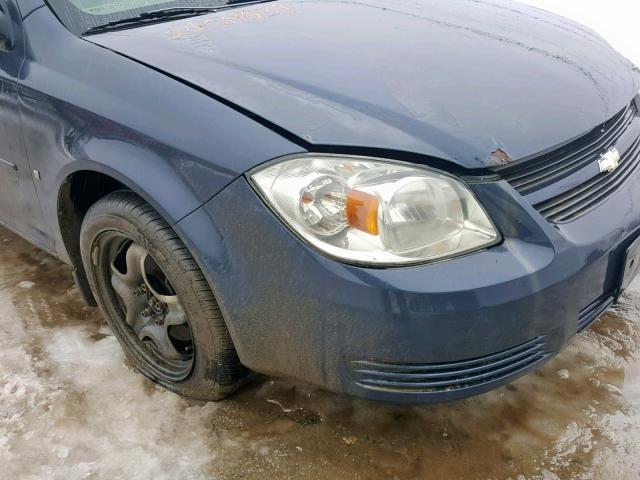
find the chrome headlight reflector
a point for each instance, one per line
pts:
(373, 211)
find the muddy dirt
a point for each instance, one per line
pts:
(70, 408)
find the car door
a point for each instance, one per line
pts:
(19, 207)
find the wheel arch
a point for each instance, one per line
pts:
(84, 183)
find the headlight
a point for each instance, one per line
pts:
(375, 212)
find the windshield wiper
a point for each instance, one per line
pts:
(165, 14)
(152, 16)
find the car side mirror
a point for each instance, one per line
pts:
(6, 27)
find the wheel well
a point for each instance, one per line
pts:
(78, 192)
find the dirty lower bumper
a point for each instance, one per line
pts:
(422, 334)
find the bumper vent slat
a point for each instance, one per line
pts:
(594, 311)
(449, 376)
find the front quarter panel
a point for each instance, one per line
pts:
(87, 108)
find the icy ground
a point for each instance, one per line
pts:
(71, 409)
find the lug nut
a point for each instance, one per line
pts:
(141, 290)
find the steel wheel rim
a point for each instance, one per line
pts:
(148, 311)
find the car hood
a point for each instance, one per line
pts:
(458, 80)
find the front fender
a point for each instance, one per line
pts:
(140, 170)
(87, 108)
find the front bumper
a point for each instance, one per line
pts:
(421, 334)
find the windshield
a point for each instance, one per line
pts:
(80, 16)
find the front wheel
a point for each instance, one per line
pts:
(156, 299)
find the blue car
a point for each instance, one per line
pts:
(408, 201)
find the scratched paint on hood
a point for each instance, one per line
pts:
(194, 30)
(457, 80)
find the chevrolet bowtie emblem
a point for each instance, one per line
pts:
(609, 161)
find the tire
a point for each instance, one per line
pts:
(170, 326)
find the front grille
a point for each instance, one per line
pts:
(439, 377)
(532, 175)
(551, 180)
(576, 202)
(593, 312)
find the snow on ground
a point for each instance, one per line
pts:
(69, 408)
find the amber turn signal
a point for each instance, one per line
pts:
(362, 211)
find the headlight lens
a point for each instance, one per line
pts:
(375, 212)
